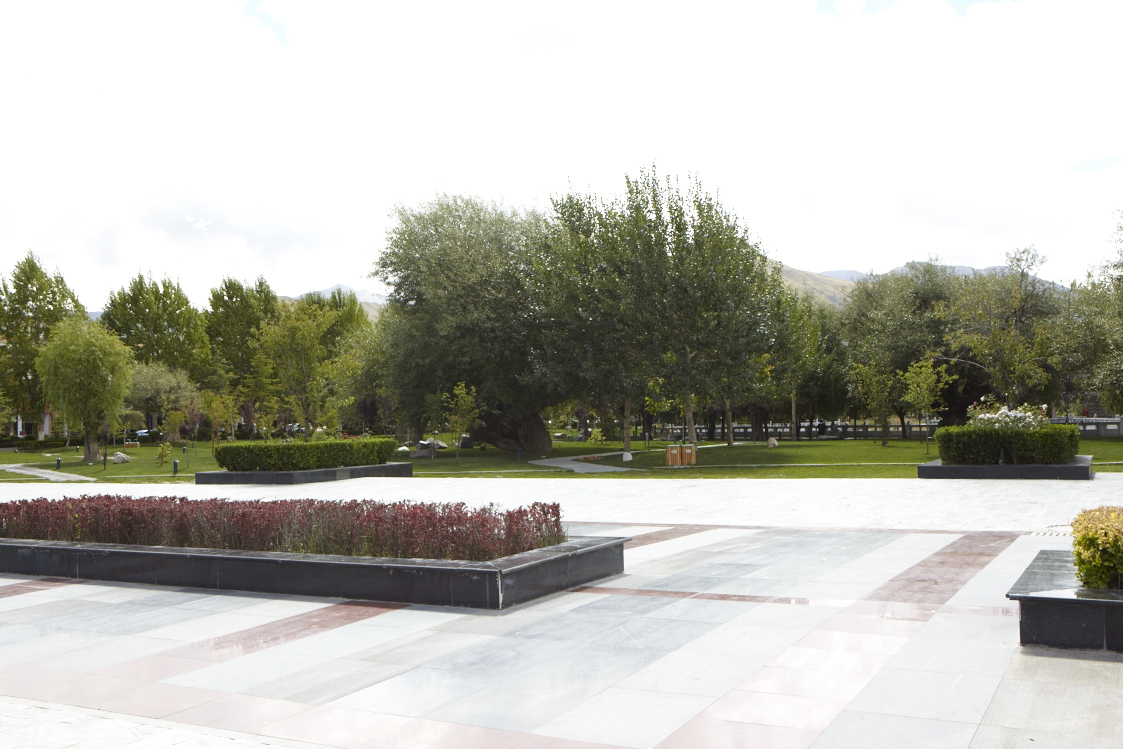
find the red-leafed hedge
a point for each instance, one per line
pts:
(401, 530)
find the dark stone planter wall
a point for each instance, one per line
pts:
(497, 584)
(1079, 469)
(1056, 611)
(303, 477)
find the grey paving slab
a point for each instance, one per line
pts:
(502, 656)
(327, 681)
(417, 692)
(697, 610)
(104, 653)
(418, 648)
(927, 694)
(530, 698)
(33, 614)
(1073, 709)
(968, 657)
(996, 737)
(1067, 667)
(855, 730)
(122, 618)
(574, 626)
(626, 717)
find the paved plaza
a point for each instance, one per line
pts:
(752, 613)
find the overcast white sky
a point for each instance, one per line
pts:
(203, 139)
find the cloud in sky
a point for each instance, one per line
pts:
(187, 141)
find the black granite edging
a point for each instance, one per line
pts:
(1057, 612)
(303, 477)
(1079, 469)
(498, 584)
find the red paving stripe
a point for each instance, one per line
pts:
(938, 577)
(228, 647)
(31, 586)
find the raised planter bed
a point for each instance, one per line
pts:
(498, 584)
(303, 477)
(1080, 469)
(1056, 611)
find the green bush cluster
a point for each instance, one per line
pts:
(1054, 444)
(302, 456)
(31, 443)
(1097, 546)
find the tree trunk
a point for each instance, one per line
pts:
(759, 422)
(904, 425)
(91, 453)
(795, 420)
(688, 414)
(626, 424)
(728, 423)
(509, 433)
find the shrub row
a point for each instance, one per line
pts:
(302, 456)
(1053, 444)
(1097, 546)
(402, 530)
(31, 443)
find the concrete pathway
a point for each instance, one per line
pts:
(40, 473)
(886, 504)
(577, 465)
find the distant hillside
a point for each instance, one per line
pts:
(959, 270)
(834, 291)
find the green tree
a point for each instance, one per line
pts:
(663, 282)
(924, 387)
(877, 388)
(350, 317)
(221, 411)
(462, 412)
(294, 344)
(893, 320)
(464, 307)
(85, 371)
(32, 302)
(1000, 324)
(237, 311)
(157, 388)
(156, 320)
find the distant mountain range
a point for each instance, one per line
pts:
(959, 270)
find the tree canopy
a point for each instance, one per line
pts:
(156, 320)
(32, 302)
(85, 373)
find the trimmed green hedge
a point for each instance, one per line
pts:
(1052, 444)
(1097, 547)
(303, 456)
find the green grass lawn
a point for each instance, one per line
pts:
(144, 467)
(800, 459)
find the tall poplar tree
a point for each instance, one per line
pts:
(32, 302)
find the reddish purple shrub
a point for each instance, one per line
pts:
(403, 530)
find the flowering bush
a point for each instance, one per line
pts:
(985, 413)
(401, 530)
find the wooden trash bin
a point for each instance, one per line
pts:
(681, 455)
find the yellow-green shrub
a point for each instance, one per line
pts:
(1097, 546)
